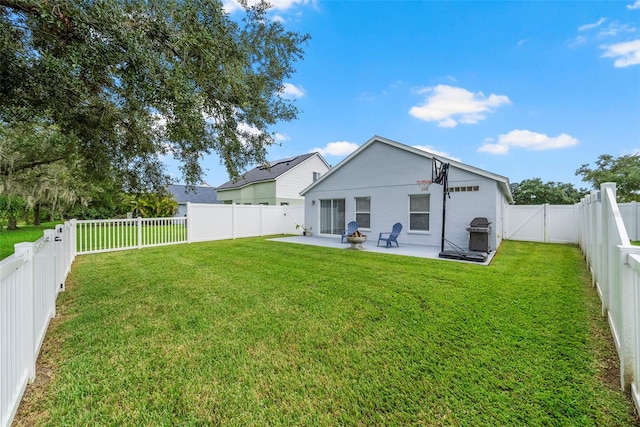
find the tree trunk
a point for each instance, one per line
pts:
(36, 214)
(12, 223)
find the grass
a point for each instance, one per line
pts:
(24, 233)
(252, 332)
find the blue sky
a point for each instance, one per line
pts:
(521, 89)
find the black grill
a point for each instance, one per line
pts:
(479, 230)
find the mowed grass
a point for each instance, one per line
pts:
(252, 332)
(24, 233)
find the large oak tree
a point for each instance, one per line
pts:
(125, 82)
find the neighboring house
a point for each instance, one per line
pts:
(194, 194)
(377, 186)
(278, 184)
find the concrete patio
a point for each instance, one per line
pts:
(420, 251)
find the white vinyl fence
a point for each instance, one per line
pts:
(30, 281)
(615, 269)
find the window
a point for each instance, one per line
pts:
(363, 212)
(419, 207)
(467, 188)
(332, 215)
(316, 175)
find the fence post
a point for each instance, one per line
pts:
(25, 249)
(545, 222)
(73, 240)
(233, 220)
(186, 222)
(139, 230)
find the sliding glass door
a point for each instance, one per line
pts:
(332, 215)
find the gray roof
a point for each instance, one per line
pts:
(263, 173)
(195, 194)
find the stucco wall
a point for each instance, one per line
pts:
(388, 175)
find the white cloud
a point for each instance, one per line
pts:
(450, 105)
(528, 140)
(432, 150)
(614, 29)
(281, 137)
(636, 5)
(577, 41)
(592, 26)
(291, 91)
(625, 53)
(340, 148)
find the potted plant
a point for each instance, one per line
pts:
(306, 231)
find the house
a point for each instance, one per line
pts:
(377, 186)
(278, 184)
(195, 194)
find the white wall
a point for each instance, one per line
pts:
(291, 183)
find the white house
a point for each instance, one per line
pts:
(278, 184)
(377, 186)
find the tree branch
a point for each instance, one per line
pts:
(6, 170)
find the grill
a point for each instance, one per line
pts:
(479, 230)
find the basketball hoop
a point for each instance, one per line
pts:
(424, 184)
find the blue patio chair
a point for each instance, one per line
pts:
(393, 235)
(351, 228)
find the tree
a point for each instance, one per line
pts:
(154, 205)
(11, 208)
(36, 171)
(623, 170)
(535, 192)
(126, 82)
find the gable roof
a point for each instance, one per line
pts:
(264, 173)
(502, 181)
(195, 194)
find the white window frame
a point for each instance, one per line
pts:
(427, 212)
(367, 212)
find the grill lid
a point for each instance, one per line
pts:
(480, 222)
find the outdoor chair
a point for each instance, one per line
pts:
(351, 228)
(393, 235)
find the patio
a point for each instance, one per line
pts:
(420, 251)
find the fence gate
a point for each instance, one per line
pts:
(526, 223)
(542, 223)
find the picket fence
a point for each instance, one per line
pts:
(615, 271)
(32, 277)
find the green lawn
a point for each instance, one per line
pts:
(24, 233)
(251, 332)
